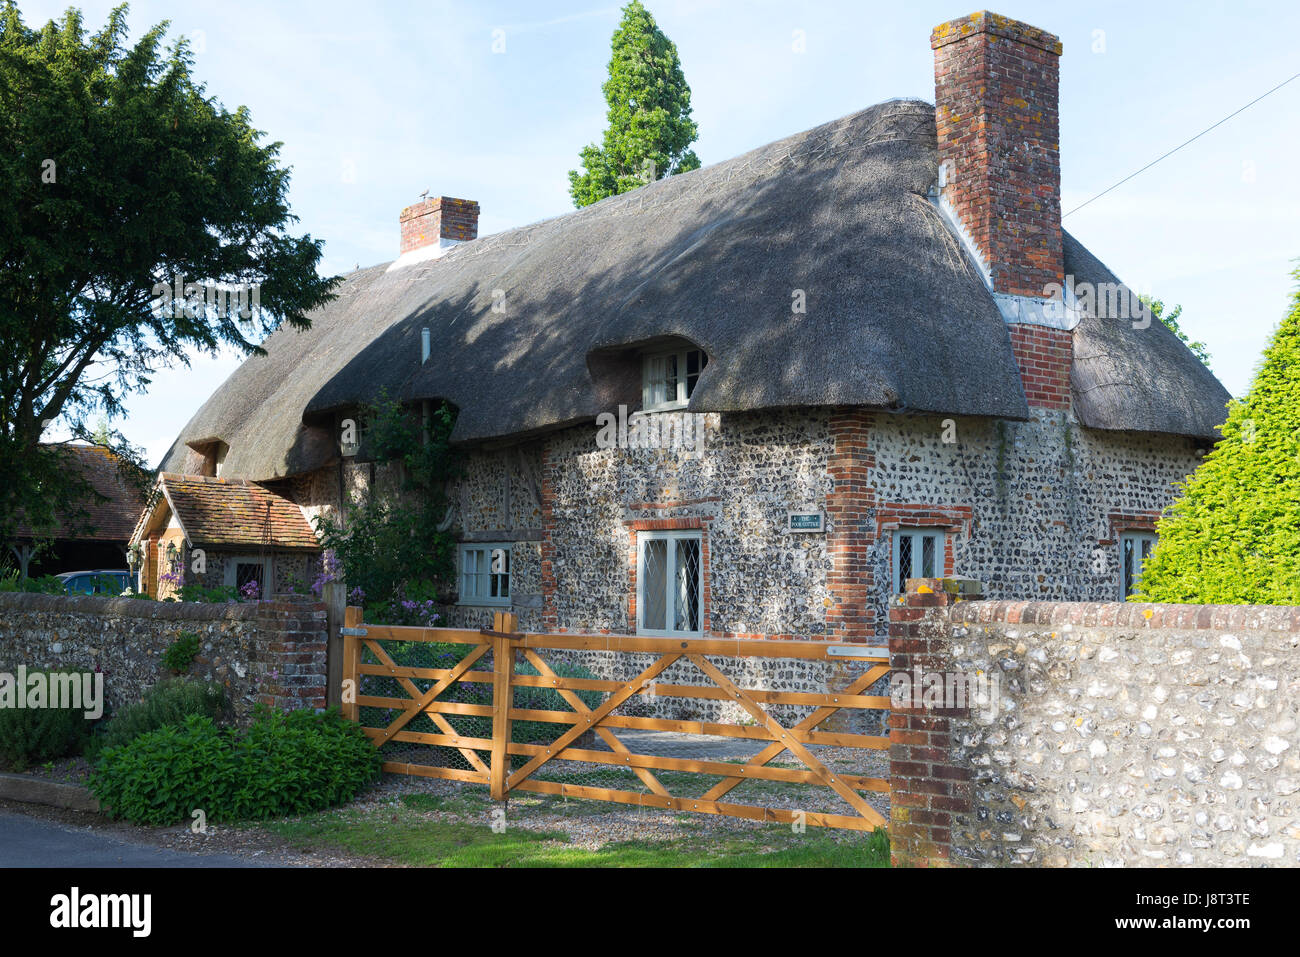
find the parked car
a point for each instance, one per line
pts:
(103, 581)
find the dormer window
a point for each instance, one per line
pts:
(213, 457)
(352, 429)
(669, 378)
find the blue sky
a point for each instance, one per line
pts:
(377, 102)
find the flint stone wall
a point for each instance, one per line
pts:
(270, 652)
(1125, 734)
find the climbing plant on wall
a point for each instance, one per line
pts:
(388, 542)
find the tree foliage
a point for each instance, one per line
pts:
(1234, 534)
(650, 127)
(120, 176)
(1157, 307)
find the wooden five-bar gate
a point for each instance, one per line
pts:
(488, 707)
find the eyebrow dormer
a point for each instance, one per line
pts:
(210, 456)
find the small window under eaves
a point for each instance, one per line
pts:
(669, 378)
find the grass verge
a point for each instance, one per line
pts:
(420, 833)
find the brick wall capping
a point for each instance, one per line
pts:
(1276, 618)
(997, 25)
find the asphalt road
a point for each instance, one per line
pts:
(31, 842)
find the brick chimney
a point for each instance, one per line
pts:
(996, 94)
(438, 223)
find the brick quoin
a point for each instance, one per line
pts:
(291, 655)
(851, 528)
(928, 789)
(997, 116)
(550, 612)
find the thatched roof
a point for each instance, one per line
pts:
(224, 513)
(897, 317)
(110, 520)
(1141, 379)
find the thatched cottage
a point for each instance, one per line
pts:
(879, 353)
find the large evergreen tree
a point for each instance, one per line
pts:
(1234, 534)
(122, 181)
(650, 127)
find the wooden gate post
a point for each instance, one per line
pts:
(335, 602)
(351, 665)
(503, 669)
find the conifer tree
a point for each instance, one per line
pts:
(1234, 534)
(650, 127)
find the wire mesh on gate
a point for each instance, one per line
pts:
(473, 690)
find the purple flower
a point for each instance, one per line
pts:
(330, 571)
(251, 590)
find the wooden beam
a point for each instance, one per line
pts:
(782, 815)
(351, 664)
(503, 662)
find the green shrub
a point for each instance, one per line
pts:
(180, 654)
(169, 702)
(285, 764)
(219, 595)
(1233, 535)
(47, 585)
(34, 735)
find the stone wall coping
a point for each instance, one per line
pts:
(1121, 614)
(127, 607)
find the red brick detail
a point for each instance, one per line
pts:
(550, 613)
(1129, 520)
(439, 217)
(290, 655)
(1044, 356)
(706, 588)
(929, 790)
(996, 89)
(851, 528)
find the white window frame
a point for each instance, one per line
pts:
(654, 384)
(486, 549)
(918, 534)
(232, 571)
(1137, 537)
(670, 579)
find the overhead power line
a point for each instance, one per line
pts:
(1181, 145)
